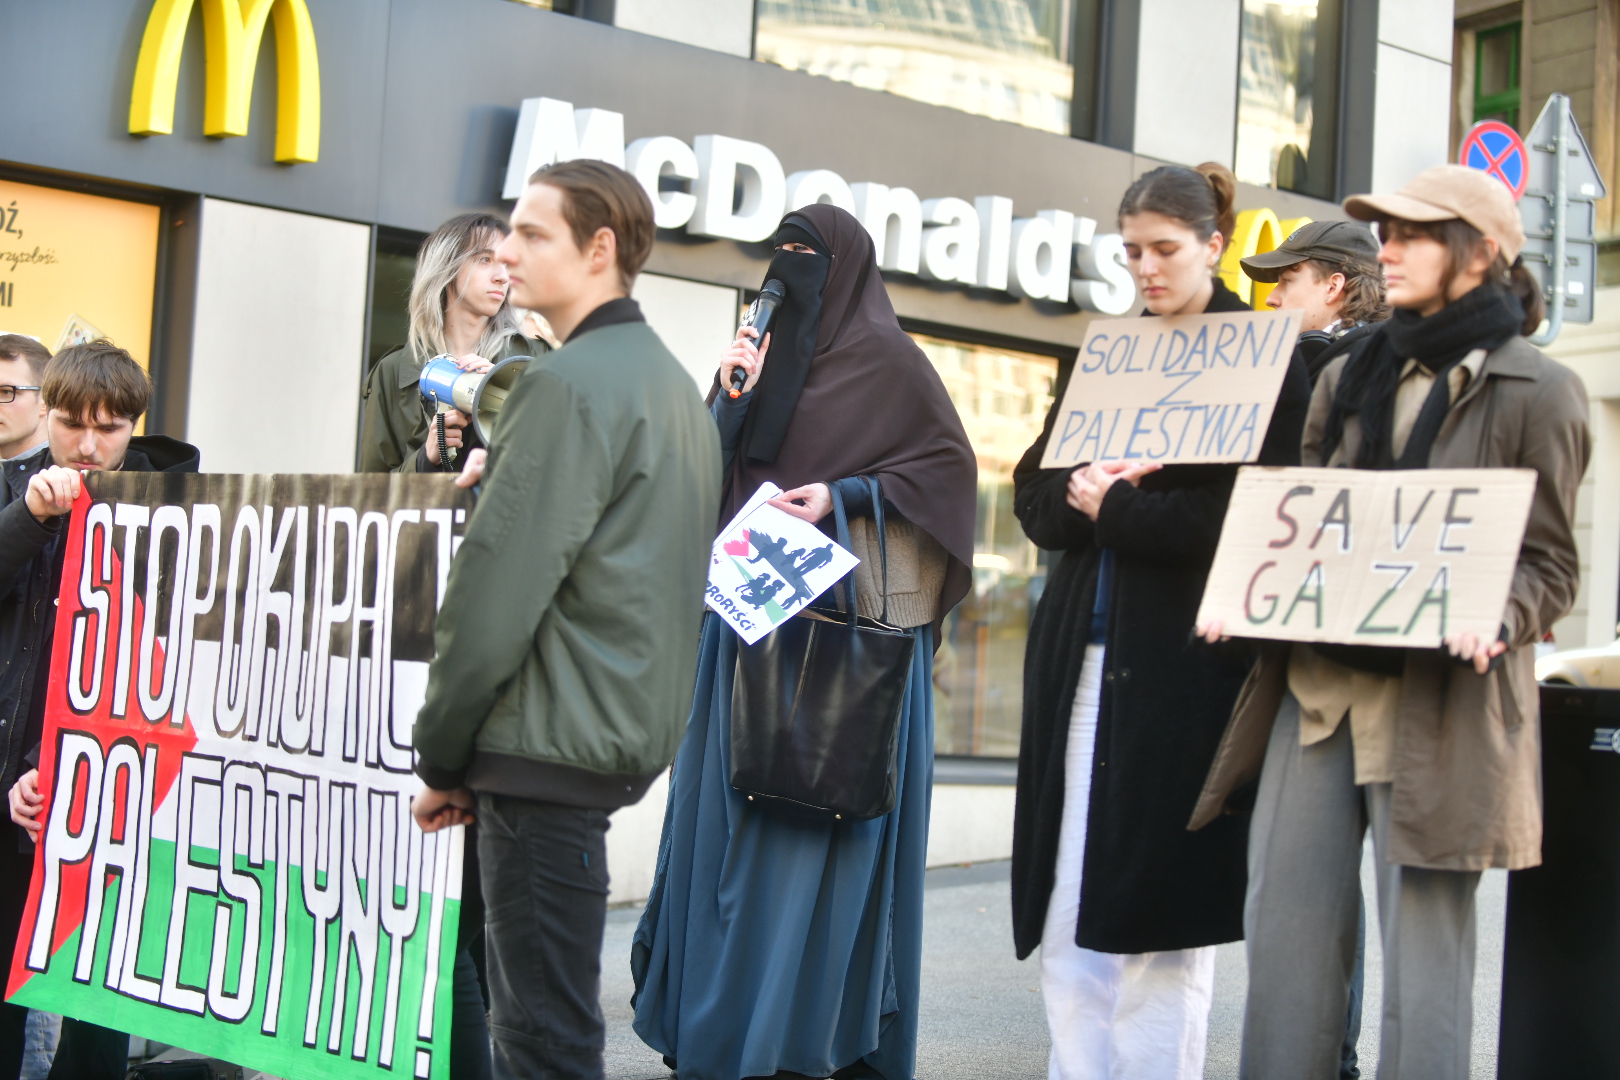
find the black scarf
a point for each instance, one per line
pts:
(793, 339)
(1485, 318)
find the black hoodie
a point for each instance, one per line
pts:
(31, 556)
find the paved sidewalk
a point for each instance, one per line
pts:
(981, 1009)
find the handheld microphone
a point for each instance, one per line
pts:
(759, 316)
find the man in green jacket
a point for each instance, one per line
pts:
(568, 636)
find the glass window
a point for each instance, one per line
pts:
(1496, 74)
(78, 267)
(1007, 59)
(1003, 397)
(1288, 89)
(393, 266)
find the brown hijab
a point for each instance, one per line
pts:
(871, 404)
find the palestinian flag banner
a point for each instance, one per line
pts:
(229, 863)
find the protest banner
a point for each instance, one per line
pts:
(229, 863)
(1368, 558)
(1177, 389)
(767, 566)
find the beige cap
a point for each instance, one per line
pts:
(1445, 192)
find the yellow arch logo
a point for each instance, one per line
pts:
(232, 32)
(1256, 232)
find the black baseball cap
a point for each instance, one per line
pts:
(1332, 242)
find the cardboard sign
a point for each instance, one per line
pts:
(1368, 558)
(229, 862)
(768, 565)
(1178, 389)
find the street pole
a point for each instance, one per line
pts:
(1560, 209)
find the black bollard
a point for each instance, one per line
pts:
(1561, 964)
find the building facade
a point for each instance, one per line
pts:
(243, 215)
(1509, 59)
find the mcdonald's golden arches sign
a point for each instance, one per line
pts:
(232, 31)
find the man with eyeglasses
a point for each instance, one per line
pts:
(83, 405)
(22, 363)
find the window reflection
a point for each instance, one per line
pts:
(1496, 74)
(1007, 59)
(1288, 95)
(1003, 397)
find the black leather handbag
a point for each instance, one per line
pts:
(815, 706)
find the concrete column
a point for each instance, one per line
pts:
(1599, 523)
(1412, 106)
(723, 25)
(1591, 350)
(277, 340)
(696, 321)
(1186, 80)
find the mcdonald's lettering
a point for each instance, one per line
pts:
(233, 30)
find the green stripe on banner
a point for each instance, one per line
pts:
(285, 1053)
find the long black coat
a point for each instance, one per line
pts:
(1148, 884)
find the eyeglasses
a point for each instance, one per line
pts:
(8, 394)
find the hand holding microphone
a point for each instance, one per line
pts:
(739, 368)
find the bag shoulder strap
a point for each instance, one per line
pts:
(841, 528)
(875, 487)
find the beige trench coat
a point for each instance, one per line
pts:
(1467, 788)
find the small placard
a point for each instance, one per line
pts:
(1178, 389)
(768, 565)
(1368, 558)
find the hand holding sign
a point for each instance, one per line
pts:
(1409, 558)
(768, 565)
(1088, 486)
(1176, 389)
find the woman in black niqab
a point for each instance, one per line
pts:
(784, 944)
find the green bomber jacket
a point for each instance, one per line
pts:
(567, 641)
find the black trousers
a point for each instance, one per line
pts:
(16, 868)
(545, 888)
(85, 1051)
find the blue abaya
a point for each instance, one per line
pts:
(779, 942)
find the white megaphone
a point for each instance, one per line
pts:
(479, 395)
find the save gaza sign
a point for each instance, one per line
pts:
(1054, 255)
(1356, 557)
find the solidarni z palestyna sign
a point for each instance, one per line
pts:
(228, 862)
(1187, 388)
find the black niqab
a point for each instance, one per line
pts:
(793, 339)
(864, 401)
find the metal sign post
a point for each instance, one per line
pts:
(1560, 217)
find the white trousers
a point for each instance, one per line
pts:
(1113, 1016)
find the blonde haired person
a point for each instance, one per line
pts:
(458, 307)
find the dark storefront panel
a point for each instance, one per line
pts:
(419, 106)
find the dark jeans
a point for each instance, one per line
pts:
(469, 1031)
(545, 889)
(1348, 1059)
(16, 868)
(90, 1052)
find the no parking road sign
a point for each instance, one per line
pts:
(1496, 149)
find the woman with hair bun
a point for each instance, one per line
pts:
(1123, 709)
(1436, 752)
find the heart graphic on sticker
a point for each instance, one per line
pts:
(738, 547)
